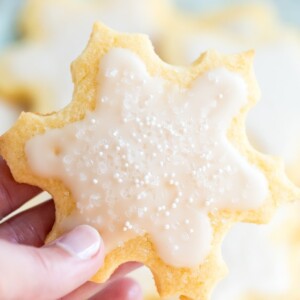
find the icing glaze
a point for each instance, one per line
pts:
(153, 157)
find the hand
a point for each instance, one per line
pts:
(32, 270)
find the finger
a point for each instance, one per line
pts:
(30, 227)
(120, 289)
(89, 289)
(12, 194)
(52, 271)
(126, 268)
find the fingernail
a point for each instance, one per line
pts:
(83, 242)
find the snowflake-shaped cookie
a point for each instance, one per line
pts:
(154, 156)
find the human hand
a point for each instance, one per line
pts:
(32, 270)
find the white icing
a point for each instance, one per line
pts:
(44, 64)
(8, 115)
(153, 157)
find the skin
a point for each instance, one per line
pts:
(32, 270)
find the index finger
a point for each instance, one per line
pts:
(13, 194)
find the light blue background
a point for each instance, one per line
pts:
(289, 10)
(8, 18)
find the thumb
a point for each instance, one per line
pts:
(52, 271)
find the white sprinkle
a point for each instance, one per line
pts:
(67, 159)
(111, 73)
(82, 177)
(191, 200)
(104, 99)
(167, 226)
(141, 195)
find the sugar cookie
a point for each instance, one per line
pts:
(257, 261)
(168, 142)
(231, 30)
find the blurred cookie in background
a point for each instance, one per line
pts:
(236, 28)
(258, 260)
(8, 115)
(8, 19)
(37, 68)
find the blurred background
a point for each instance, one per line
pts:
(288, 11)
(40, 38)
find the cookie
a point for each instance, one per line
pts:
(257, 260)
(36, 69)
(160, 151)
